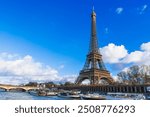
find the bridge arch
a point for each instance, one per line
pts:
(86, 82)
(81, 81)
(100, 81)
(17, 89)
(2, 89)
(104, 81)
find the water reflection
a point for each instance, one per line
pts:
(24, 96)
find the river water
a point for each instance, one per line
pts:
(25, 96)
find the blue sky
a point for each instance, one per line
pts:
(57, 32)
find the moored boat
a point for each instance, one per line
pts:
(42, 93)
(51, 93)
(69, 95)
(33, 92)
(92, 97)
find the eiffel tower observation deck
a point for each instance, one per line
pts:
(94, 69)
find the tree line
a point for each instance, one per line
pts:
(135, 75)
(132, 75)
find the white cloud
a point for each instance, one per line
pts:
(7, 56)
(125, 69)
(144, 7)
(142, 10)
(145, 46)
(18, 70)
(115, 78)
(119, 10)
(61, 66)
(135, 57)
(119, 54)
(86, 82)
(113, 53)
(68, 78)
(106, 30)
(139, 57)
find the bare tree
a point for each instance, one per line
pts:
(145, 73)
(135, 74)
(122, 77)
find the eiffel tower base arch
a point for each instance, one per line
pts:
(94, 76)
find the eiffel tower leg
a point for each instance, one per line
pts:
(96, 80)
(77, 80)
(91, 81)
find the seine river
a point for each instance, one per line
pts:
(24, 96)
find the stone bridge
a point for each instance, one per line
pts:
(17, 88)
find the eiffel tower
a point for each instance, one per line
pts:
(94, 68)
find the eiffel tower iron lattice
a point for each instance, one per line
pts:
(94, 68)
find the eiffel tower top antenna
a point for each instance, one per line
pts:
(93, 4)
(93, 7)
(94, 41)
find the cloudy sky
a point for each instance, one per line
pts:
(48, 40)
